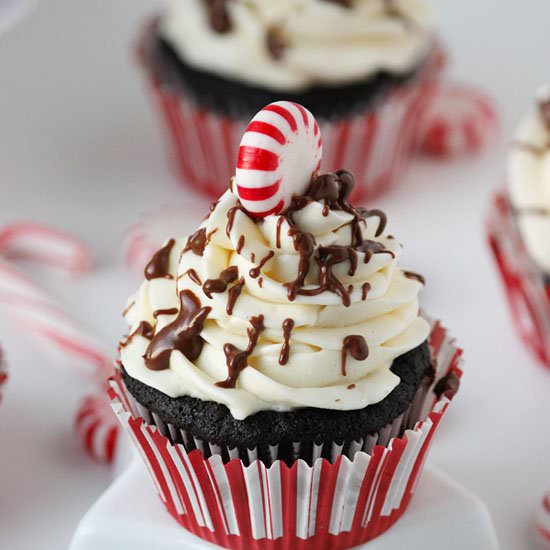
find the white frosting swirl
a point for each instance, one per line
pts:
(529, 185)
(387, 317)
(326, 43)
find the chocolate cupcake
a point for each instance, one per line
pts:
(284, 340)
(366, 68)
(519, 228)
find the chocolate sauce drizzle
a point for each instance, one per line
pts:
(237, 360)
(333, 190)
(544, 110)
(356, 346)
(167, 311)
(288, 325)
(255, 271)
(159, 265)
(194, 276)
(196, 242)
(275, 42)
(143, 329)
(218, 285)
(232, 296)
(415, 276)
(218, 15)
(182, 334)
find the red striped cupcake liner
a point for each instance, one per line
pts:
(527, 291)
(375, 145)
(245, 504)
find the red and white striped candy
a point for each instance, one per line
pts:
(97, 427)
(459, 120)
(279, 152)
(38, 242)
(542, 521)
(26, 303)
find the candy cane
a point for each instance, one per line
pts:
(542, 521)
(97, 427)
(28, 304)
(459, 120)
(280, 151)
(43, 244)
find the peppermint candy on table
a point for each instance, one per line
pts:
(542, 521)
(97, 427)
(279, 153)
(459, 119)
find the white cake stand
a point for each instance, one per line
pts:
(129, 514)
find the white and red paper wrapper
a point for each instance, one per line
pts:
(328, 505)
(526, 289)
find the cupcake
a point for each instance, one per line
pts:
(519, 228)
(278, 377)
(368, 69)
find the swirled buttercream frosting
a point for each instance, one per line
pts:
(306, 308)
(289, 45)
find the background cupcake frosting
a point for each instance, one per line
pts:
(292, 44)
(529, 180)
(240, 270)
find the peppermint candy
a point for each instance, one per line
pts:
(279, 153)
(459, 120)
(97, 427)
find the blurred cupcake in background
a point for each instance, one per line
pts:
(519, 228)
(367, 69)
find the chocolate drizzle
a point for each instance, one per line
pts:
(415, 276)
(194, 276)
(356, 346)
(227, 276)
(233, 294)
(182, 334)
(365, 289)
(159, 265)
(237, 360)
(218, 15)
(144, 329)
(448, 385)
(275, 42)
(255, 271)
(168, 311)
(544, 110)
(280, 222)
(288, 325)
(196, 242)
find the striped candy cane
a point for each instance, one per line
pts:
(25, 302)
(279, 152)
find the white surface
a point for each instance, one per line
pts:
(79, 148)
(129, 515)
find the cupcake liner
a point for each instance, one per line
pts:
(242, 502)
(527, 289)
(376, 144)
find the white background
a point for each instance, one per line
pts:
(79, 148)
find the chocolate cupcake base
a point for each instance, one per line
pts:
(271, 435)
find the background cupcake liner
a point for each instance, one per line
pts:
(243, 503)
(375, 145)
(526, 289)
